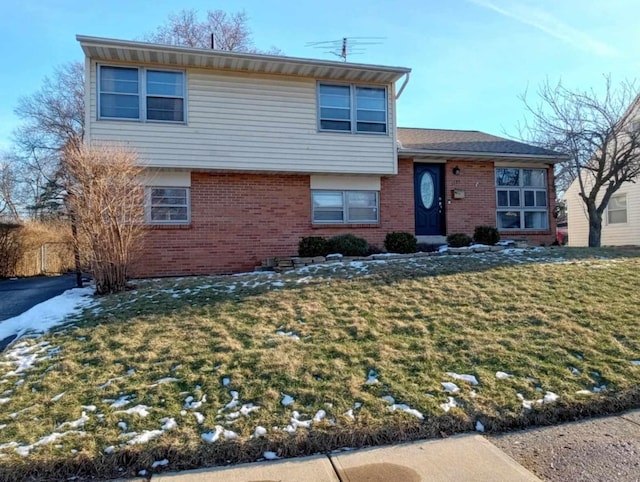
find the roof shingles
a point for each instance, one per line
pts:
(465, 142)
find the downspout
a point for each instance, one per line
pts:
(404, 84)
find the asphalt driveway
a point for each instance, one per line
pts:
(17, 296)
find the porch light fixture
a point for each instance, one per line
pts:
(456, 171)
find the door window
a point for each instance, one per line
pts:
(427, 190)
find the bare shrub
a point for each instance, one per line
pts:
(106, 197)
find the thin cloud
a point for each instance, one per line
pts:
(550, 25)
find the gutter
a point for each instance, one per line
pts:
(86, 40)
(485, 155)
(404, 84)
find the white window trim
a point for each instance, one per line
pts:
(142, 94)
(522, 208)
(147, 211)
(353, 108)
(345, 207)
(626, 209)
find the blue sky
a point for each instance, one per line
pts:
(470, 58)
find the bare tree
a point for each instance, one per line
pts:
(8, 190)
(230, 31)
(106, 197)
(52, 119)
(597, 132)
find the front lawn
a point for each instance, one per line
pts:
(211, 370)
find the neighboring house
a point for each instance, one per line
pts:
(621, 217)
(247, 154)
(620, 220)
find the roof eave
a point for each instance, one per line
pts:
(504, 156)
(245, 61)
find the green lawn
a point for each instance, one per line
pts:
(145, 374)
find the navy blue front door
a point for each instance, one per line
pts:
(428, 195)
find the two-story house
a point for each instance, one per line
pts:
(246, 154)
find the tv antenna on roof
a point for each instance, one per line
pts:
(346, 46)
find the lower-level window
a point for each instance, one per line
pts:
(521, 198)
(168, 205)
(331, 207)
(617, 209)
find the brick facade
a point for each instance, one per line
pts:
(239, 219)
(477, 179)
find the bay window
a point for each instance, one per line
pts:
(521, 198)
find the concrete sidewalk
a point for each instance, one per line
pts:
(459, 458)
(606, 448)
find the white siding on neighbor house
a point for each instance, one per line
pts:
(618, 234)
(248, 122)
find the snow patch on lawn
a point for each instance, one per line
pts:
(549, 397)
(58, 397)
(25, 450)
(159, 463)
(289, 334)
(211, 437)
(287, 399)
(451, 403)
(141, 410)
(270, 455)
(48, 314)
(166, 380)
(503, 375)
(191, 403)
(466, 378)
(24, 356)
(402, 407)
(450, 387)
(145, 436)
(319, 416)
(168, 423)
(120, 402)
(199, 417)
(372, 378)
(76, 423)
(295, 423)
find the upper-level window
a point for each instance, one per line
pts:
(137, 93)
(165, 95)
(119, 93)
(617, 209)
(352, 108)
(521, 197)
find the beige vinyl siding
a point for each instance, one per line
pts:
(612, 234)
(249, 122)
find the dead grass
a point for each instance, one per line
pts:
(536, 315)
(59, 251)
